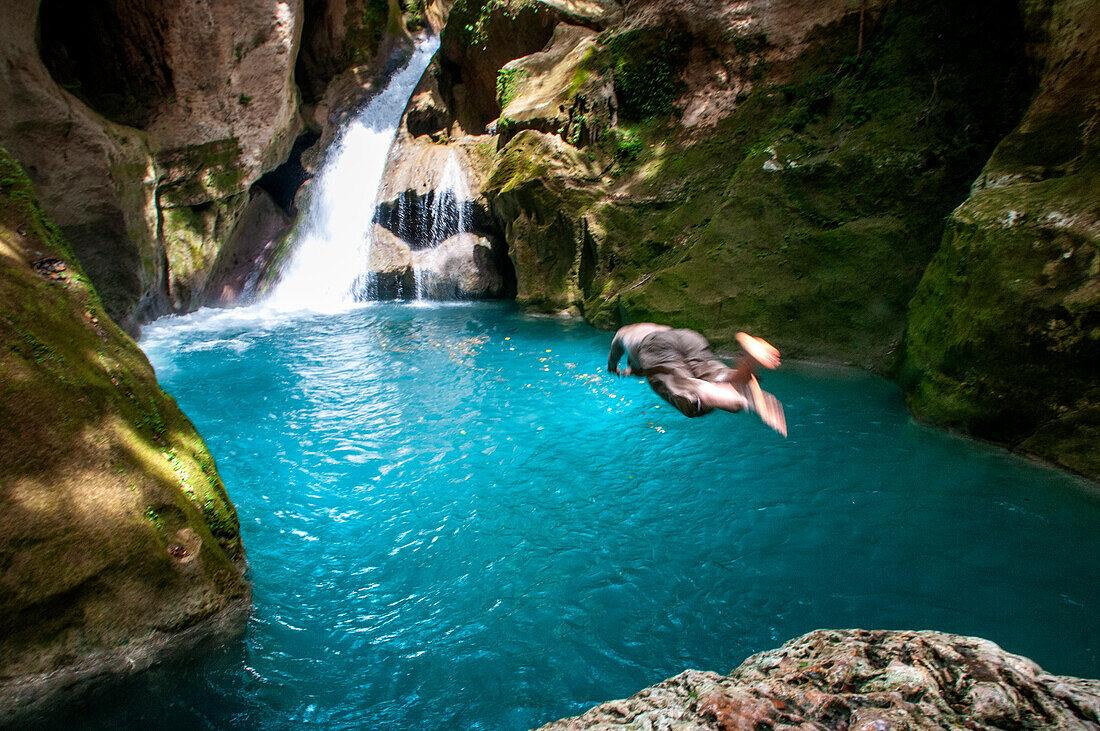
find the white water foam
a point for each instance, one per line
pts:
(328, 269)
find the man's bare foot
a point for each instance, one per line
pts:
(766, 406)
(759, 350)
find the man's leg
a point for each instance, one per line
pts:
(766, 406)
(696, 397)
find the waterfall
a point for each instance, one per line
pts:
(447, 216)
(328, 269)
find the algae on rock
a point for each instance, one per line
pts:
(1004, 333)
(121, 546)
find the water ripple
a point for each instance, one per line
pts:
(455, 519)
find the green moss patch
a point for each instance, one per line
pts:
(645, 64)
(197, 174)
(101, 475)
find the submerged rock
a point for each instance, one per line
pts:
(119, 547)
(862, 681)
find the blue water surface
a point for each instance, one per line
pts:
(455, 518)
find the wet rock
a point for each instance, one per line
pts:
(390, 265)
(857, 679)
(461, 267)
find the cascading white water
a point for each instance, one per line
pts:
(447, 215)
(329, 266)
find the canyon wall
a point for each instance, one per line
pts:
(119, 547)
(161, 136)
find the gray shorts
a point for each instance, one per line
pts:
(670, 359)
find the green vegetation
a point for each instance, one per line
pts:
(196, 174)
(365, 30)
(507, 82)
(623, 143)
(414, 12)
(645, 64)
(470, 20)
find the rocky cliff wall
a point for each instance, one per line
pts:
(1003, 338)
(118, 544)
(789, 168)
(145, 171)
(152, 129)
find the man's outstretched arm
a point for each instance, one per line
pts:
(616, 354)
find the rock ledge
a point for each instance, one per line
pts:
(861, 681)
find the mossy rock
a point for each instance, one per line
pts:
(808, 213)
(197, 174)
(118, 534)
(193, 239)
(1004, 333)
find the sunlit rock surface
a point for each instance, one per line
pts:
(141, 148)
(861, 681)
(119, 547)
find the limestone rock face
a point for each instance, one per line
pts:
(431, 215)
(120, 545)
(460, 267)
(1003, 339)
(347, 48)
(96, 179)
(540, 189)
(481, 36)
(862, 681)
(751, 178)
(554, 91)
(130, 143)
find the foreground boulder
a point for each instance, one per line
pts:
(861, 681)
(118, 544)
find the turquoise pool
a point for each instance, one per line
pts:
(456, 519)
